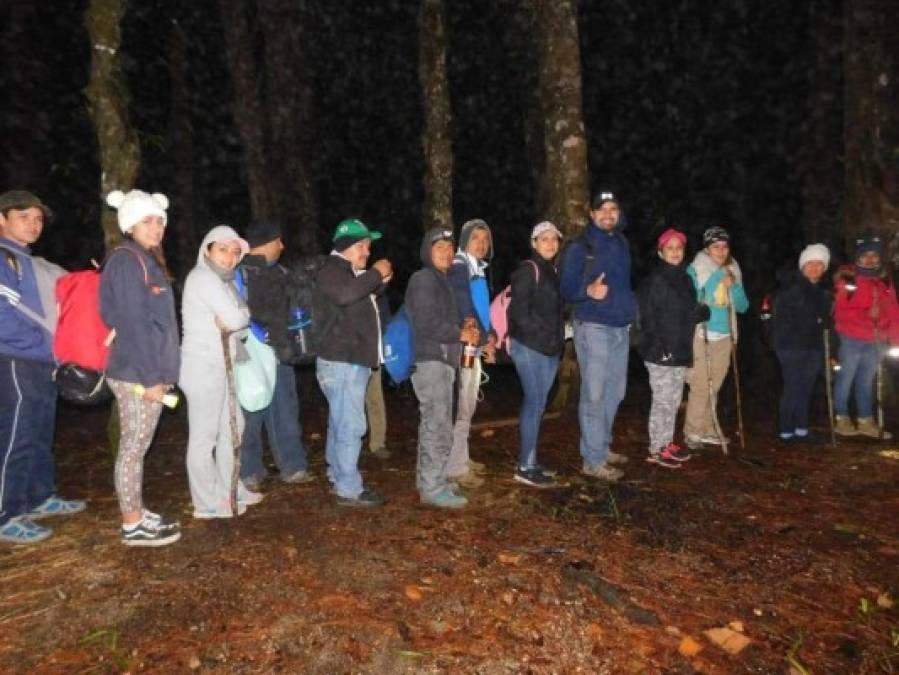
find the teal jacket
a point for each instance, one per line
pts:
(710, 294)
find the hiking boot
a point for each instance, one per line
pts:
(677, 452)
(843, 426)
(868, 427)
(663, 458)
(381, 453)
(56, 506)
(22, 530)
(476, 467)
(146, 533)
(467, 480)
(446, 500)
(616, 458)
(296, 478)
(534, 477)
(366, 499)
(602, 471)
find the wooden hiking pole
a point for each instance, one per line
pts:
(731, 315)
(713, 403)
(232, 418)
(828, 387)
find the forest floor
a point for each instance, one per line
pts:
(790, 552)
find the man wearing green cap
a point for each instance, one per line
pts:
(349, 352)
(27, 390)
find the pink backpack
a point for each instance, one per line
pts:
(499, 309)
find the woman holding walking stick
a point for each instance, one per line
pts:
(866, 314)
(211, 306)
(801, 315)
(718, 282)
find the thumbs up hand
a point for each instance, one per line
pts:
(598, 290)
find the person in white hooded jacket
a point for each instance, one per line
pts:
(210, 306)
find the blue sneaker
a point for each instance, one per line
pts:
(56, 506)
(22, 530)
(446, 500)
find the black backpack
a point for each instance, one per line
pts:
(312, 316)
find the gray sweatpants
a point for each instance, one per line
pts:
(210, 453)
(667, 383)
(469, 388)
(433, 382)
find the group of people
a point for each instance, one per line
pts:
(682, 320)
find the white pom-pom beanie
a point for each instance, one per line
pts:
(814, 252)
(136, 205)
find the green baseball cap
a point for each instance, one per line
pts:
(353, 228)
(21, 200)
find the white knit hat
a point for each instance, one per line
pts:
(137, 205)
(814, 252)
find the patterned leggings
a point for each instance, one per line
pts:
(137, 424)
(667, 384)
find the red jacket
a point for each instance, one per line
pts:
(871, 306)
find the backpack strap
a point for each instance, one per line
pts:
(137, 256)
(536, 270)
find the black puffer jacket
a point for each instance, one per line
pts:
(801, 312)
(668, 316)
(535, 311)
(355, 336)
(432, 310)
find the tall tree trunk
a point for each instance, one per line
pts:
(181, 144)
(565, 143)
(565, 181)
(820, 165)
(871, 123)
(106, 93)
(248, 112)
(289, 104)
(436, 140)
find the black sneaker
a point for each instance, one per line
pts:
(148, 534)
(534, 477)
(552, 473)
(365, 500)
(160, 522)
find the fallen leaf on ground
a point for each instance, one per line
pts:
(508, 558)
(413, 593)
(736, 625)
(689, 647)
(885, 601)
(487, 433)
(594, 632)
(728, 639)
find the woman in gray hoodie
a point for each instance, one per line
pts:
(211, 306)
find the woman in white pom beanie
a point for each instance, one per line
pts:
(136, 300)
(801, 314)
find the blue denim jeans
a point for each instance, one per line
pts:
(281, 420)
(800, 369)
(27, 423)
(858, 367)
(602, 353)
(344, 384)
(537, 372)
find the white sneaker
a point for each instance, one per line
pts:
(250, 498)
(224, 511)
(602, 471)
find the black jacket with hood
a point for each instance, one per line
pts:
(668, 312)
(535, 311)
(355, 336)
(802, 310)
(432, 311)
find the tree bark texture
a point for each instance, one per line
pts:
(871, 122)
(437, 209)
(248, 110)
(19, 72)
(566, 181)
(117, 141)
(289, 105)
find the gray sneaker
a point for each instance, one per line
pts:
(602, 471)
(298, 478)
(616, 458)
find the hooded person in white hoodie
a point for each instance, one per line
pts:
(210, 305)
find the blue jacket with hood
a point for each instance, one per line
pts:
(610, 255)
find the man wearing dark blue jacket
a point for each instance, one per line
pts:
(27, 390)
(596, 279)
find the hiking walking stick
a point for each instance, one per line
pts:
(713, 404)
(879, 384)
(828, 390)
(731, 316)
(232, 419)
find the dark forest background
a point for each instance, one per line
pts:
(696, 112)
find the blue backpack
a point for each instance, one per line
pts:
(399, 349)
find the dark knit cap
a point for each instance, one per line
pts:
(868, 243)
(260, 232)
(713, 234)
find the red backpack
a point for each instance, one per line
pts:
(82, 340)
(499, 310)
